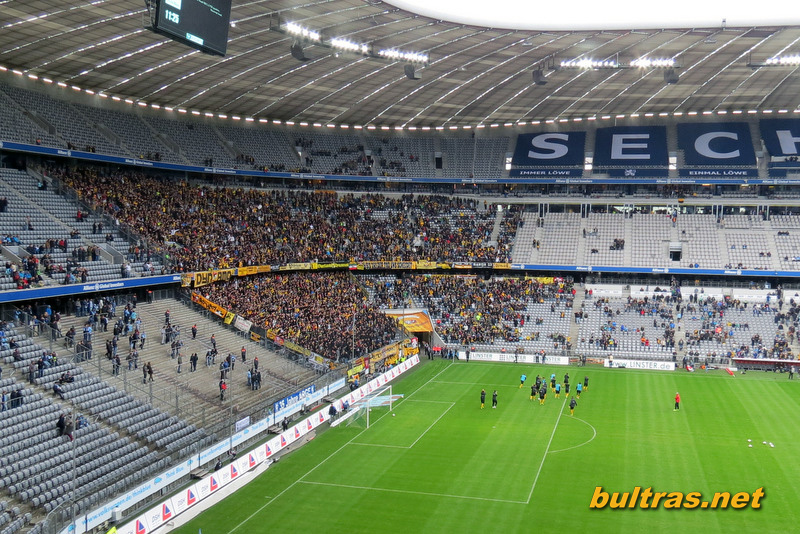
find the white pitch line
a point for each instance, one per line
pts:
(431, 426)
(416, 440)
(476, 384)
(410, 492)
(380, 445)
(331, 455)
(594, 435)
(433, 401)
(547, 449)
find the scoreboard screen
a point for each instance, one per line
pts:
(201, 24)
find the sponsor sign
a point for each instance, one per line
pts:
(294, 398)
(512, 358)
(640, 364)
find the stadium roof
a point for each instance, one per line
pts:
(476, 75)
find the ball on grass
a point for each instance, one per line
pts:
(771, 445)
(751, 445)
(749, 440)
(393, 414)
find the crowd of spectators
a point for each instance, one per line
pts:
(326, 313)
(470, 310)
(200, 228)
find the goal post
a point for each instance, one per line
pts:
(360, 412)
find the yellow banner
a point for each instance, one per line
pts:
(355, 370)
(422, 264)
(386, 265)
(209, 277)
(219, 311)
(502, 265)
(410, 346)
(246, 271)
(271, 334)
(296, 267)
(330, 265)
(229, 318)
(186, 280)
(413, 322)
(255, 337)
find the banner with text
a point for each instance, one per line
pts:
(639, 364)
(219, 311)
(514, 358)
(549, 149)
(209, 277)
(723, 143)
(781, 136)
(631, 146)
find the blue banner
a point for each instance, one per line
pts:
(294, 398)
(781, 136)
(74, 289)
(631, 146)
(550, 149)
(719, 173)
(723, 143)
(544, 173)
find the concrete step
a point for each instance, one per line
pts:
(193, 396)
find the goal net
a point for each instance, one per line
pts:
(369, 408)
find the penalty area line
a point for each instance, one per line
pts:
(411, 492)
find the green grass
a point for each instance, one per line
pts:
(443, 465)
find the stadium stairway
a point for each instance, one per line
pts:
(498, 222)
(193, 396)
(629, 236)
(577, 304)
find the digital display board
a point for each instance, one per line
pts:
(201, 24)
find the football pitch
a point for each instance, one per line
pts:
(442, 464)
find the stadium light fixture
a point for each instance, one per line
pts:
(347, 45)
(400, 55)
(602, 64)
(646, 63)
(303, 32)
(588, 64)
